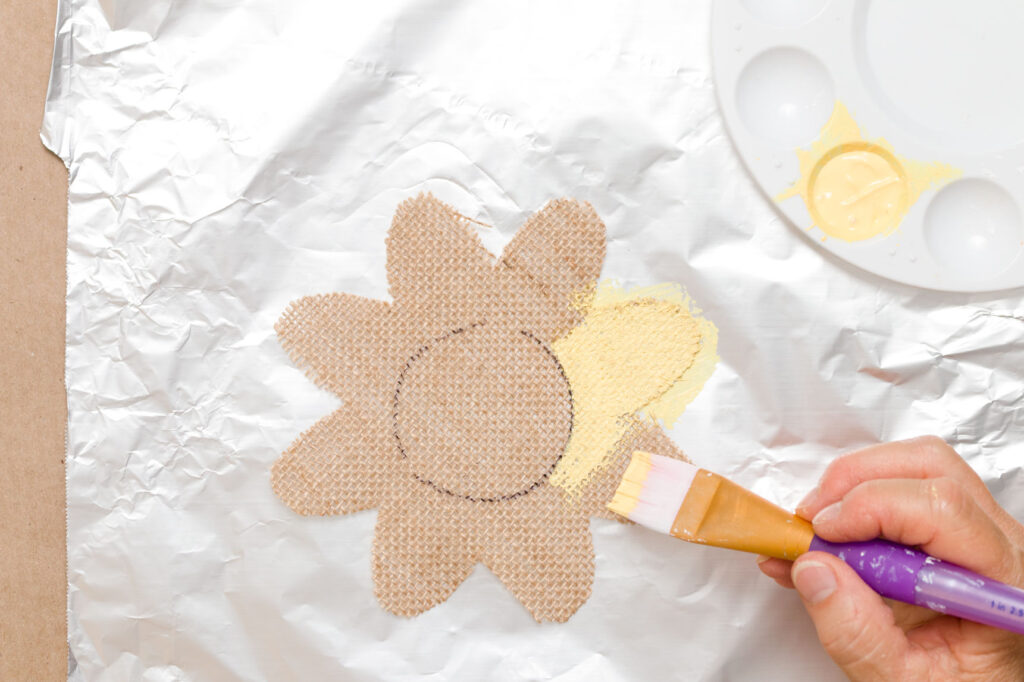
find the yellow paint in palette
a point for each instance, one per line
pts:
(856, 189)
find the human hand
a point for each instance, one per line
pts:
(920, 493)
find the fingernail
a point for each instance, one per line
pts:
(829, 513)
(761, 558)
(809, 499)
(814, 581)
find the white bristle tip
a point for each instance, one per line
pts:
(663, 493)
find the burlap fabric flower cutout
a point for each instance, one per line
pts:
(457, 411)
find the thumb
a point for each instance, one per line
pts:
(854, 625)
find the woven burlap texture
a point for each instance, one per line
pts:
(455, 410)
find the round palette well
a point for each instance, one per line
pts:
(891, 133)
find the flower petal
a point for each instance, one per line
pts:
(439, 272)
(618, 361)
(554, 257)
(541, 549)
(421, 553)
(641, 435)
(349, 345)
(339, 466)
(625, 356)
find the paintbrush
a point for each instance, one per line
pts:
(675, 497)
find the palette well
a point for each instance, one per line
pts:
(888, 132)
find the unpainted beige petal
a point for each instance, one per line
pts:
(439, 272)
(343, 464)
(553, 259)
(423, 548)
(349, 345)
(542, 550)
(644, 435)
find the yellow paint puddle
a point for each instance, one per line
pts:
(856, 189)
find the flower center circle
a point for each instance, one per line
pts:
(483, 413)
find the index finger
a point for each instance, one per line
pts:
(925, 457)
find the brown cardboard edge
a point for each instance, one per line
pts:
(33, 219)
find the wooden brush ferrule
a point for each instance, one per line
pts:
(718, 512)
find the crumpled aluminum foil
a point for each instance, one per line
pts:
(228, 157)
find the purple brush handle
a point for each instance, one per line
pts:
(907, 575)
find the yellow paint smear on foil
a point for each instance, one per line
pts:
(641, 352)
(857, 189)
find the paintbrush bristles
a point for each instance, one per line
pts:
(628, 493)
(652, 490)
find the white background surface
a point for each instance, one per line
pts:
(228, 157)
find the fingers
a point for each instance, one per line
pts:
(906, 616)
(854, 625)
(777, 569)
(917, 492)
(926, 457)
(937, 514)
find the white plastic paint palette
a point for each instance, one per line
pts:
(940, 80)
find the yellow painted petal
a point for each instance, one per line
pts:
(673, 402)
(623, 358)
(671, 405)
